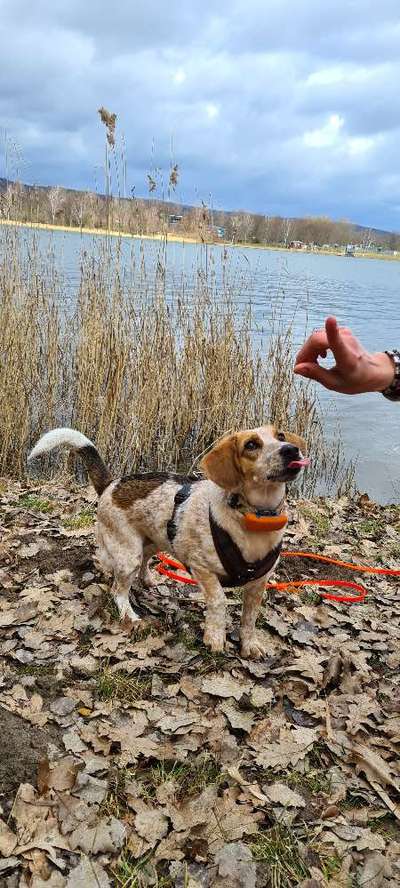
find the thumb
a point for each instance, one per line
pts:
(314, 371)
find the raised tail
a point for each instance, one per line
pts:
(96, 469)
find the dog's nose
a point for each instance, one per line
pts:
(289, 452)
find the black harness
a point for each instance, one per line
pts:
(181, 495)
(238, 571)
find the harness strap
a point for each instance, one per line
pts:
(238, 571)
(181, 495)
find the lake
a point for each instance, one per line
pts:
(364, 294)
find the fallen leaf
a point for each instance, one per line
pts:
(194, 811)
(8, 840)
(236, 867)
(88, 874)
(239, 720)
(151, 825)
(280, 794)
(106, 837)
(225, 686)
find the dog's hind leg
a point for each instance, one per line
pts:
(101, 559)
(146, 575)
(125, 552)
(120, 591)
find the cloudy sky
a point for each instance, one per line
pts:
(273, 106)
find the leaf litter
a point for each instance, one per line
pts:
(143, 759)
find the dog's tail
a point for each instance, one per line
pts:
(97, 470)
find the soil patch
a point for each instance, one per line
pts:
(23, 746)
(75, 558)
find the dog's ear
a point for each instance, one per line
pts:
(222, 464)
(299, 442)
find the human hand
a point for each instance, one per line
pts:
(356, 370)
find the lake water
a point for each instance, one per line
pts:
(364, 294)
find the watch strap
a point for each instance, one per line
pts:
(392, 392)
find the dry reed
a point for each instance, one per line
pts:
(152, 379)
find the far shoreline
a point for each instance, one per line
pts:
(185, 239)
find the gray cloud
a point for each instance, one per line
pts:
(275, 107)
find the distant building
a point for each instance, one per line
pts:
(350, 250)
(174, 219)
(219, 230)
(297, 245)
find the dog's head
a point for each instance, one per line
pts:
(255, 456)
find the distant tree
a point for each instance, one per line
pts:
(56, 199)
(287, 230)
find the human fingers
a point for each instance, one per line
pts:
(328, 378)
(315, 346)
(340, 341)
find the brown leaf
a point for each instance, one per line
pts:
(293, 745)
(236, 867)
(261, 696)
(8, 840)
(229, 821)
(151, 825)
(239, 720)
(225, 686)
(280, 794)
(194, 811)
(88, 874)
(372, 873)
(107, 836)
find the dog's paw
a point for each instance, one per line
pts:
(214, 639)
(125, 609)
(253, 649)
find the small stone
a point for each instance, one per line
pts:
(62, 706)
(330, 811)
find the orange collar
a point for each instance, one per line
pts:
(259, 520)
(264, 523)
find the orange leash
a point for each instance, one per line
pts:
(165, 563)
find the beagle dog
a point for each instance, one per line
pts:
(202, 521)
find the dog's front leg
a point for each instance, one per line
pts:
(215, 621)
(251, 646)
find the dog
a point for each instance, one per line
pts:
(203, 521)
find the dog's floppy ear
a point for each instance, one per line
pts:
(222, 465)
(299, 442)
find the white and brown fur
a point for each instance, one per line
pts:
(133, 513)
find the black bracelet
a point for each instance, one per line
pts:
(392, 392)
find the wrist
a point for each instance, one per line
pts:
(384, 371)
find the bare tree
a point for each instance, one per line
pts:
(287, 227)
(56, 200)
(78, 210)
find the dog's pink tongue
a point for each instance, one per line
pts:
(299, 463)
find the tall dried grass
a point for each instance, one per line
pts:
(152, 380)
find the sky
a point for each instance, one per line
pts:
(270, 106)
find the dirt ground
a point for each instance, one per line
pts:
(140, 759)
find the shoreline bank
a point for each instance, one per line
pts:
(184, 239)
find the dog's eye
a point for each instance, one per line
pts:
(281, 436)
(252, 445)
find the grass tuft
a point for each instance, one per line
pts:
(85, 518)
(36, 503)
(189, 777)
(132, 873)
(281, 851)
(121, 686)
